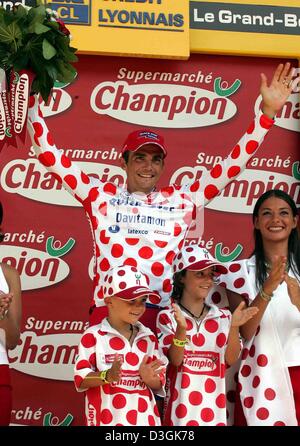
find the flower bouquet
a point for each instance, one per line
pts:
(35, 52)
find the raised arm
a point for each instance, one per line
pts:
(66, 172)
(274, 97)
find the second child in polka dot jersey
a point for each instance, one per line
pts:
(200, 340)
(138, 225)
(119, 364)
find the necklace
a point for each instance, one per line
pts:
(131, 334)
(192, 314)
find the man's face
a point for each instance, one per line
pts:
(144, 168)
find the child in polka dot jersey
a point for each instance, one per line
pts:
(119, 364)
(199, 340)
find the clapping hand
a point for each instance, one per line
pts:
(151, 371)
(5, 301)
(242, 314)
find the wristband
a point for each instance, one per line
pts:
(266, 297)
(103, 376)
(179, 342)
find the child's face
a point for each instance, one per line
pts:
(198, 283)
(128, 311)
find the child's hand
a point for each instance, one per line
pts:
(114, 373)
(293, 290)
(152, 370)
(241, 315)
(179, 318)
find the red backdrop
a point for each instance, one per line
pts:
(47, 235)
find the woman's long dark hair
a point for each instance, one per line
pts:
(293, 257)
(1, 217)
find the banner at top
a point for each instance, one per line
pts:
(252, 27)
(146, 28)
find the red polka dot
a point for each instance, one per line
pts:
(103, 239)
(160, 243)
(207, 415)
(211, 326)
(245, 353)
(88, 340)
(262, 413)
(192, 423)
(132, 358)
(252, 351)
(131, 417)
(255, 382)
(181, 411)
(185, 381)
(189, 325)
(142, 405)
(195, 186)
(221, 340)
(71, 181)
(167, 286)
(83, 364)
(248, 402)
(116, 343)
(104, 265)
(234, 267)
(92, 359)
(117, 250)
(95, 222)
(270, 394)
(130, 262)
(84, 178)
(195, 398)
(47, 159)
(251, 128)
(221, 401)
(210, 385)
(233, 171)
(238, 283)
(246, 370)
(170, 257)
(146, 252)
(279, 423)
(50, 140)
(216, 172)
(119, 401)
(236, 152)
(251, 147)
(110, 188)
(210, 191)
(216, 297)
(151, 420)
(65, 161)
(132, 241)
(93, 194)
(157, 269)
(266, 122)
(122, 285)
(38, 129)
(177, 229)
(142, 345)
(198, 339)
(262, 360)
(106, 416)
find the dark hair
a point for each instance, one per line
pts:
(125, 156)
(293, 258)
(178, 286)
(1, 217)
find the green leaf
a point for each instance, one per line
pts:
(9, 33)
(48, 50)
(38, 28)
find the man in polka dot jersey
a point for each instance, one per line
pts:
(200, 339)
(119, 364)
(139, 225)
